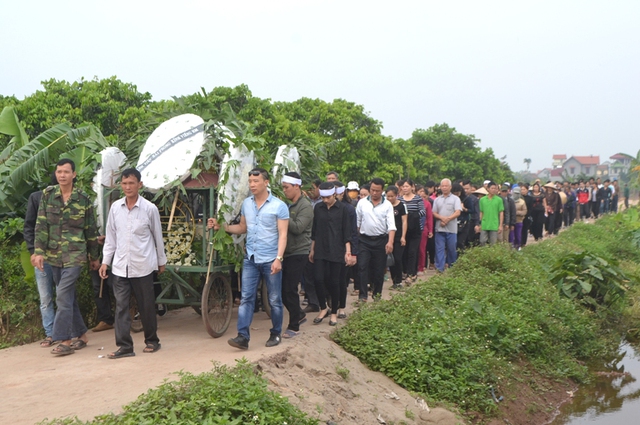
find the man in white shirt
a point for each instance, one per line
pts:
(376, 229)
(134, 248)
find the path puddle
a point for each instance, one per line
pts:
(612, 399)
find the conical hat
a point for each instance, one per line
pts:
(481, 191)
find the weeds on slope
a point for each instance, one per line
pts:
(454, 336)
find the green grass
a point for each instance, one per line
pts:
(454, 336)
(226, 395)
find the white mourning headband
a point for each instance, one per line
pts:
(340, 190)
(291, 180)
(327, 192)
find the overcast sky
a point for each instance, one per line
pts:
(529, 79)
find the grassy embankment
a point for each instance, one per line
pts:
(451, 338)
(457, 335)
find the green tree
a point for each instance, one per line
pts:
(26, 164)
(354, 145)
(115, 107)
(634, 170)
(457, 156)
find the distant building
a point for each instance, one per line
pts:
(585, 165)
(621, 163)
(602, 170)
(558, 160)
(544, 174)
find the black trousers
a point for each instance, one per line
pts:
(103, 303)
(328, 282)
(310, 284)
(463, 235)
(344, 284)
(431, 251)
(595, 208)
(568, 216)
(538, 222)
(526, 224)
(396, 269)
(372, 262)
(292, 269)
(411, 250)
(142, 288)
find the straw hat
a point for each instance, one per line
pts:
(551, 185)
(481, 191)
(563, 197)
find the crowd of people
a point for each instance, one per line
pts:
(324, 238)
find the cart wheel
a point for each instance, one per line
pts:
(217, 304)
(136, 323)
(264, 295)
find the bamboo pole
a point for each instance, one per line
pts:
(173, 210)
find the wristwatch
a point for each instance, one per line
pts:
(279, 258)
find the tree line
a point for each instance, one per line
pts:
(340, 134)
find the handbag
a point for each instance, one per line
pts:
(390, 260)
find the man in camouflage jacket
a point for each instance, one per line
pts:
(65, 232)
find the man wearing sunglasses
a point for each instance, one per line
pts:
(265, 220)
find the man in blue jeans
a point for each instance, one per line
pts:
(446, 209)
(265, 220)
(44, 278)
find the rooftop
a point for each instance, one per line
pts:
(621, 156)
(560, 156)
(587, 160)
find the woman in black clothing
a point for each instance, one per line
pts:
(415, 212)
(400, 215)
(330, 249)
(537, 211)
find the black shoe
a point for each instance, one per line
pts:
(303, 319)
(273, 341)
(239, 342)
(311, 309)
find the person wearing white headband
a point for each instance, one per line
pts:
(348, 272)
(287, 178)
(330, 249)
(296, 253)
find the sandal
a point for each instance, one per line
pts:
(47, 342)
(62, 350)
(120, 354)
(290, 334)
(78, 344)
(151, 348)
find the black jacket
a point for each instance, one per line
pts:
(29, 230)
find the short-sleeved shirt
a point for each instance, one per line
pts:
(399, 211)
(446, 206)
(491, 209)
(262, 227)
(375, 220)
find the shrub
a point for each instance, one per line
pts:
(453, 336)
(592, 279)
(226, 395)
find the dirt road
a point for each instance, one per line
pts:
(35, 385)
